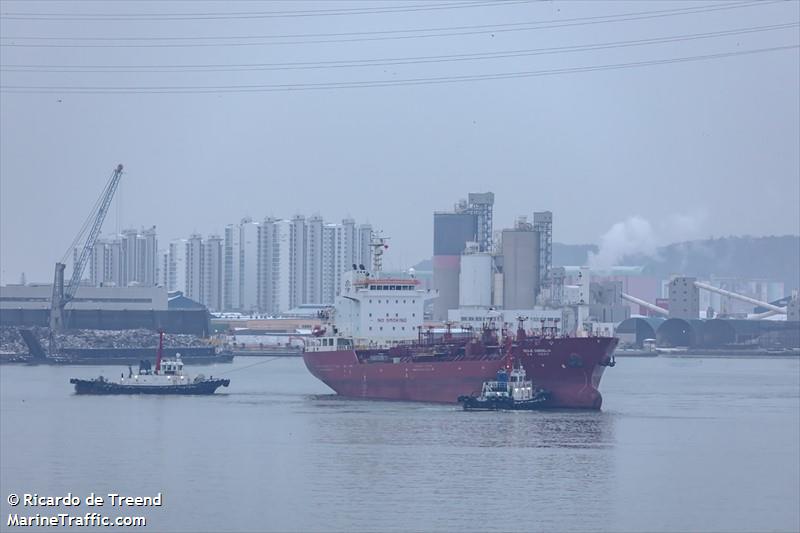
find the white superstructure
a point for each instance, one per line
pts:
(377, 309)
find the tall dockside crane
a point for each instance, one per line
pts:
(61, 295)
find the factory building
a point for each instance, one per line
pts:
(684, 298)
(543, 225)
(475, 278)
(552, 320)
(793, 310)
(470, 220)
(451, 233)
(481, 205)
(38, 297)
(606, 303)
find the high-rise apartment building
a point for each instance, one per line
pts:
(279, 264)
(329, 288)
(148, 257)
(195, 267)
(313, 260)
(248, 265)
(364, 246)
(123, 260)
(232, 266)
(162, 268)
(297, 261)
(176, 267)
(213, 266)
(274, 265)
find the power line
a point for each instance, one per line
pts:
(389, 61)
(105, 17)
(319, 38)
(197, 89)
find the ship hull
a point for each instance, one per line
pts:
(84, 386)
(569, 369)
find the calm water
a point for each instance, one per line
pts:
(682, 444)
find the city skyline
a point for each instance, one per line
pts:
(266, 266)
(710, 142)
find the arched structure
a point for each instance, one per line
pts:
(718, 332)
(634, 330)
(681, 332)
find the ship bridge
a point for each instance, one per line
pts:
(380, 309)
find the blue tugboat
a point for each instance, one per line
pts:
(167, 378)
(512, 392)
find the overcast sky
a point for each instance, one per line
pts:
(696, 148)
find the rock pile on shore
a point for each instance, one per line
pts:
(11, 341)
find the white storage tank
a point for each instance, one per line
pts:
(475, 281)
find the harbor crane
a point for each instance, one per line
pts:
(63, 295)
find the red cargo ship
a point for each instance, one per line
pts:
(377, 348)
(428, 370)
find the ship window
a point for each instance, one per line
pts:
(370, 328)
(395, 314)
(387, 314)
(397, 301)
(393, 328)
(370, 314)
(381, 328)
(413, 314)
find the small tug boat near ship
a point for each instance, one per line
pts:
(167, 378)
(512, 392)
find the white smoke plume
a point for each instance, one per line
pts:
(637, 236)
(632, 236)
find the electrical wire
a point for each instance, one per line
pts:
(198, 89)
(416, 60)
(345, 37)
(104, 17)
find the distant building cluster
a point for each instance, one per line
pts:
(474, 267)
(129, 258)
(268, 266)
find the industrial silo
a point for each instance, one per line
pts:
(475, 281)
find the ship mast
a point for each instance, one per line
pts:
(378, 245)
(160, 350)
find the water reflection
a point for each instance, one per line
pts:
(435, 459)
